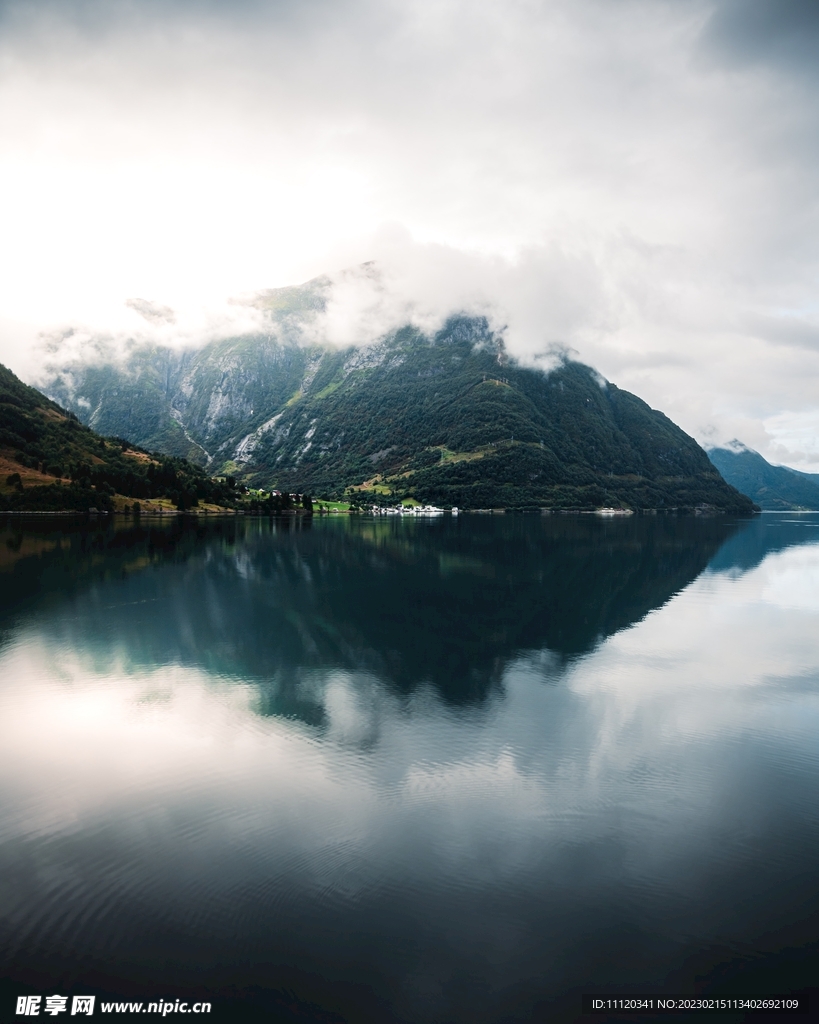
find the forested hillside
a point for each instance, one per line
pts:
(451, 420)
(49, 461)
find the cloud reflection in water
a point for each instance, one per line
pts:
(587, 818)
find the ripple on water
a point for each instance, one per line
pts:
(660, 783)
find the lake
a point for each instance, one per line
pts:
(460, 769)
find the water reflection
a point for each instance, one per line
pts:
(601, 805)
(447, 603)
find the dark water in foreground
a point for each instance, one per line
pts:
(447, 770)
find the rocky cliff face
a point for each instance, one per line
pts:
(199, 404)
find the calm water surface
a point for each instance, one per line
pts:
(374, 770)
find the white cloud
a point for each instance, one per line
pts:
(633, 180)
(543, 298)
(797, 435)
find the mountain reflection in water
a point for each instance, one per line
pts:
(382, 770)
(443, 602)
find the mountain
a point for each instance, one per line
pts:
(448, 418)
(773, 488)
(49, 461)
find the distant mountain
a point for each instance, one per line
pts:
(448, 418)
(773, 488)
(49, 461)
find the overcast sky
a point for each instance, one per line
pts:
(634, 179)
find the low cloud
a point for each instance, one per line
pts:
(634, 181)
(539, 300)
(141, 324)
(152, 311)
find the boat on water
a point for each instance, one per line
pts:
(615, 512)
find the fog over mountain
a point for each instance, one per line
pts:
(633, 182)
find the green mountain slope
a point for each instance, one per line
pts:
(451, 420)
(448, 419)
(49, 461)
(193, 404)
(773, 488)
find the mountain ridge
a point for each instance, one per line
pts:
(449, 418)
(773, 488)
